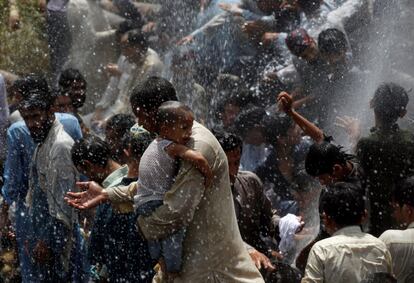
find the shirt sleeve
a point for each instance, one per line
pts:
(180, 202)
(314, 267)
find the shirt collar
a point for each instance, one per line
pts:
(117, 174)
(348, 230)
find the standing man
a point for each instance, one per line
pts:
(54, 239)
(213, 248)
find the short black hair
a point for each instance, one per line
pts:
(137, 38)
(275, 125)
(33, 84)
(171, 111)
(298, 41)
(332, 42)
(126, 26)
(92, 149)
(137, 144)
(322, 157)
(120, 123)
(389, 101)
(151, 93)
(404, 192)
(249, 118)
(228, 141)
(309, 6)
(344, 203)
(69, 76)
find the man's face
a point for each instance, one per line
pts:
(77, 92)
(93, 172)
(326, 179)
(179, 133)
(38, 122)
(254, 136)
(233, 158)
(134, 53)
(229, 114)
(310, 53)
(63, 104)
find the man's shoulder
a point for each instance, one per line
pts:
(398, 236)
(18, 127)
(249, 177)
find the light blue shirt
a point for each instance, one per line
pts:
(20, 147)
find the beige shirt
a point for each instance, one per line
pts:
(348, 256)
(213, 248)
(400, 243)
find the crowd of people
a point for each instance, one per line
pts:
(205, 141)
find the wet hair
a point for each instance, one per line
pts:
(287, 20)
(32, 84)
(125, 27)
(137, 38)
(389, 101)
(322, 157)
(275, 126)
(309, 6)
(172, 112)
(344, 203)
(92, 149)
(137, 144)
(404, 192)
(120, 124)
(69, 76)
(228, 141)
(151, 93)
(129, 11)
(36, 93)
(298, 41)
(249, 118)
(332, 42)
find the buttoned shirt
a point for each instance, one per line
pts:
(348, 256)
(213, 248)
(400, 243)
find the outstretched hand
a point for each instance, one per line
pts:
(91, 195)
(351, 125)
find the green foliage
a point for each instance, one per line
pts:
(25, 49)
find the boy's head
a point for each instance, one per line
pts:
(91, 156)
(73, 84)
(309, 6)
(232, 146)
(403, 202)
(280, 129)
(134, 45)
(135, 142)
(342, 205)
(175, 121)
(389, 103)
(327, 162)
(147, 96)
(116, 128)
(302, 45)
(249, 125)
(332, 45)
(35, 107)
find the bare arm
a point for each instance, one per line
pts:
(194, 157)
(285, 102)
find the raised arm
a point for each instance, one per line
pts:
(285, 102)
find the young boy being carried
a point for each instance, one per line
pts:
(157, 170)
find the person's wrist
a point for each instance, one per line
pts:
(104, 196)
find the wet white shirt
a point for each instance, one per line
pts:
(348, 256)
(400, 243)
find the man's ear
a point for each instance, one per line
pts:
(126, 152)
(336, 170)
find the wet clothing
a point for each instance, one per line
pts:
(348, 256)
(253, 211)
(16, 178)
(4, 115)
(52, 221)
(115, 242)
(213, 248)
(400, 243)
(387, 158)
